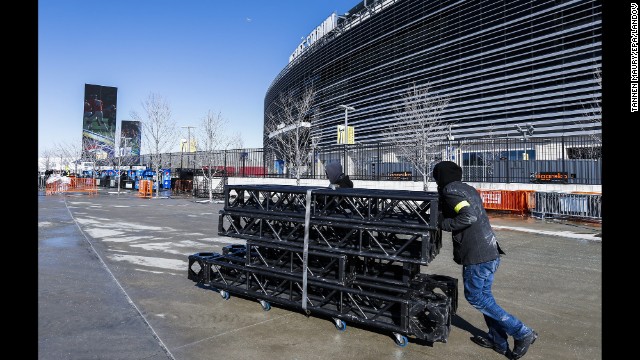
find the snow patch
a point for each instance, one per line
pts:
(567, 234)
(165, 246)
(103, 233)
(225, 240)
(169, 264)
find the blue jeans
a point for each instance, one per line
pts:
(477, 280)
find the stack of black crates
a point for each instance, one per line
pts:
(362, 250)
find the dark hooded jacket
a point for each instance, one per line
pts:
(464, 216)
(336, 177)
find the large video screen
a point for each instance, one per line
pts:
(130, 137)
(99, 121)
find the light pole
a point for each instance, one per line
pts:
(182, 141)
(314, 147)
(346, 121)
(120, 161)
(527, 130)
(188, 139)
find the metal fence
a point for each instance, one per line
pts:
(567, 160)
(567, 205)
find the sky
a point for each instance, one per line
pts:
(199, 55)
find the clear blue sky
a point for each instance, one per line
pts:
(200, 55)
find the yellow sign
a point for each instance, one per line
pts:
(350, 134)
(191, 147)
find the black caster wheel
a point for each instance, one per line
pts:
(265, 305)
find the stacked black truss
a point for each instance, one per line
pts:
(363, 256)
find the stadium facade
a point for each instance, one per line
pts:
(502, 64)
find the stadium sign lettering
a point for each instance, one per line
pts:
(320, 31)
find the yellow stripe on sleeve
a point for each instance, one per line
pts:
(460, 205)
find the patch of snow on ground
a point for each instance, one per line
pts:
(104, 233)
(169, 264)
(567, 234)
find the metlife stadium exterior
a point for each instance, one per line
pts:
(502, 63)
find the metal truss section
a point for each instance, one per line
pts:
(423, 309)
(398, 244)
(390, 208)
(384, 272)
(197, 271)
(289, 260)
(353, 255)
(326, 266)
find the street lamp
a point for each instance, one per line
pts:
(182, 142)
(526, 130)
(189, 139)
(314, 146)
(346, 121)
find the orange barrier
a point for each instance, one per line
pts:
(145, 188)
(530, 199)
(519, 201)
(71, 184)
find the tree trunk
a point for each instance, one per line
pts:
(157, 183)
(210, 189)
(425, 182)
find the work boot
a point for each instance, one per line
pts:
(486, 343)
(521, 346)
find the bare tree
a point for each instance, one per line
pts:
(92, 151)
(593, 109)
(591, 123)
(46, 159)
(418, 127)
(122, 154)
(70, 153)
(212, 140)
(288, 127)
(159, 130)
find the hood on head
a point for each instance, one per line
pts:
(333, 171)
(446, 172)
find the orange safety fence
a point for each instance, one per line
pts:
(530, 199)
(145, 188)
(519, 201)
(70, 184)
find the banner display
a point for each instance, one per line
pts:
(99, 121)
(130, 139)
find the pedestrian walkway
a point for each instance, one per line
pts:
(113, 284)
(83, 311)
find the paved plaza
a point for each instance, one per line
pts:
(112, 284)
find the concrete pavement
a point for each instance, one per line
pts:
(112, 272)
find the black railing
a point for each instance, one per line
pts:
(574, 160)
